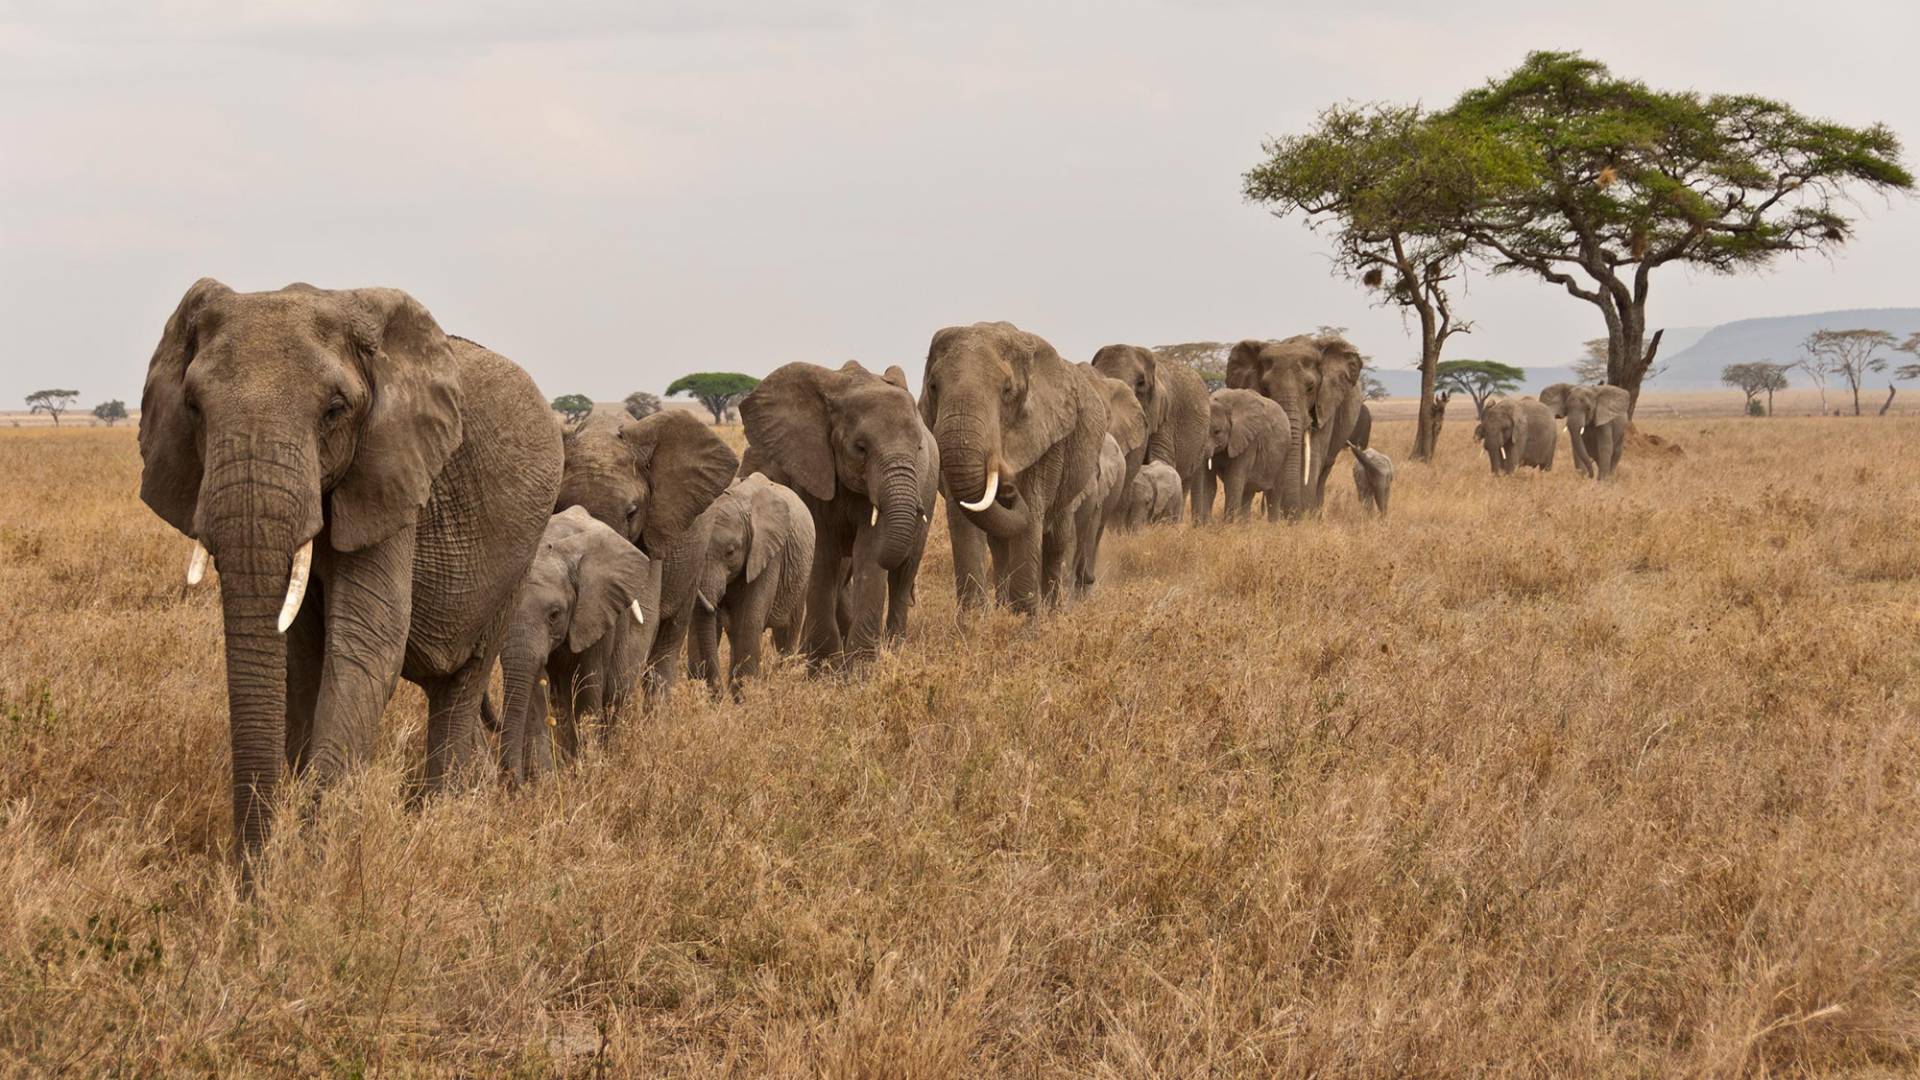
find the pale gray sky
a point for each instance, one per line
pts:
(613, 194)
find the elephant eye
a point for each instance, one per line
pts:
(633, 511)
(553, 614)
(336, 410)
(860, 445)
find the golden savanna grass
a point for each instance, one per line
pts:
(1538, 777)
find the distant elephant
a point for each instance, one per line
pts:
(1154, 496)
(1515, 432)
(1019, 431)
(759, 556)
(649, 480)
(585, 617)
(1174, 399)
(852, 445)
(1596, 424)
(1248, 437)
(339, 444)
(1372, 479)
(1098, 507)
(1317, 381)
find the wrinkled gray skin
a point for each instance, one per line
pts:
(1248, 437)
(759, 555)
(1516, 432)
(1317, 381)
(1596, 424)
(1098, 506)
(1154, 495)
(422, 468)
(851, 445)
(1173, 399)
(573, 631)
(1372, 479)
(1001, 402)
(649, 480)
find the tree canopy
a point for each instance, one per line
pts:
(575, 407)
(1479, 380)
(641, 404)
(717, 390)
(1754, 379)
(111, 411)
(51, 402)
(1850, 354)
(1208, 358)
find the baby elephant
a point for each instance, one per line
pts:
(584, 617)
(1248, 438)
(1372, 478)
(1155, 495)
(759, 556)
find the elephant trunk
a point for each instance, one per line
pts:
(966, 452)
(1293, 472)
(521, 661)
(898, 509)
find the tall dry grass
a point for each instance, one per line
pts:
(1537, 777)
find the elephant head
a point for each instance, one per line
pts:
(1126, 418)
(1242, 421)
(996, 398)
(824, 432)
(585, 577)
(1585, 406)
(266, 419)
(1138, 370)
(755, 528)
(1315, 380)
(645, 479)
(1498, 433)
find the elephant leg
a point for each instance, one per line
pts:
(306, 658)
(1205, 491)
(369, 604)
(1003, 551)
(1200, 495)
(866, 595)
(1237, 493)
(747, 629)
(453, 717)
(1272, 496)
(970, 575)
(787, 638)
(822, 635)
(664, 660)
(1056, 553)
(900, 582)
(704, 650)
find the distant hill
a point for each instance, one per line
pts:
(1776, 338)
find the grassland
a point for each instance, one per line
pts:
(1536, 777)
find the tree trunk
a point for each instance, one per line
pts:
(1887, 404)
(1426, 434)
(1769, 402)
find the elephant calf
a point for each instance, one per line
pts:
(585, 615)
(1515, 432)
(1248, 440)
(759, 555)
(1372, 478)
(1092, 508)
(1154, 496)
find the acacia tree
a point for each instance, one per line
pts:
(1850, 354)
(51, 402)
(575, 407)
(641, 404)
(1480, 380)
(1207, 358)
(1754, 379)
(1591, 367)
(1387, 180)
(1620, 179)
(717, 390)
(112, 411)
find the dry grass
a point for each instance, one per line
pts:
(1538, 777)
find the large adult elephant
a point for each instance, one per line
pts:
(1317, 381)
(851, 444)
(1174, 399)
(649, 480)
(1516, 432)
(371, 491)
(1596, 424)
(1101, 503)
(1249, 437)
(1019, 431)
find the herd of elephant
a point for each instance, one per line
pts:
(384, 501)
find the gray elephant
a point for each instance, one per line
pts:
(371, 491)
(1317, 381)
(583, 622)
(759, 556)
(1515, 432)
(1098, 506)
(1596, 424)
(1372, 478)
(649, 480)
(851, 444)
(1020, 432)
(1248, 437)
(1174, 400)
(1154, 496)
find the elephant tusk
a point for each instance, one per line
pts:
(296, 585)
(638, 615)
(197, 565)
(874, 518)
(986, 500)
(926, 519)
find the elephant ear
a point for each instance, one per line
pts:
(412, 424)
(1242, 427)
(1126, 421)
(169, 446)
(608, 576)
(897, 377)
(1610, 403)
(941, 341)
(1480, 433)
(685, 467)
(781, 527)
(1245, 365)
(1048, 406)
(790, 428)
(1555, 397)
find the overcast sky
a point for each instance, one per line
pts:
(616, 193)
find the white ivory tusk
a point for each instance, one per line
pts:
(874, 519)
(197, 566)
(296, 585)
(638, 615)
(986, 500)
